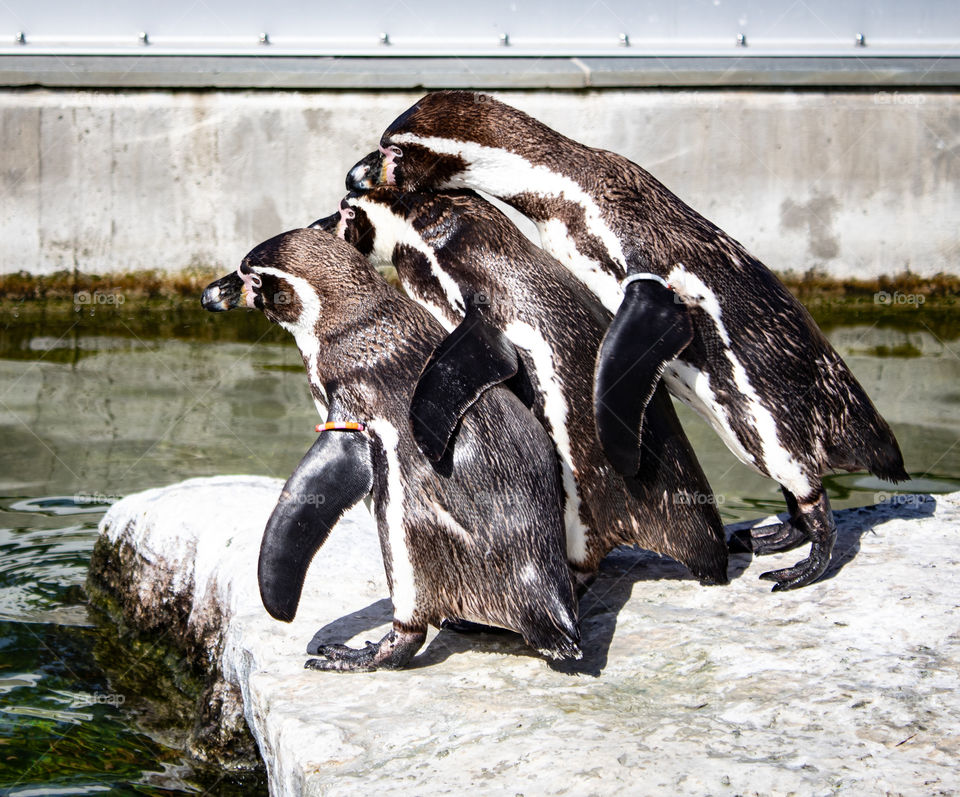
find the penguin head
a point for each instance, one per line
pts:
(304, 280)
(419, 151)
(351, 222)
(250, 286)
(374, 222)
(378, 221)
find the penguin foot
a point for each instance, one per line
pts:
(342, 653)
(803, 572)
(817, 517)
(390, 653)
(767, 539)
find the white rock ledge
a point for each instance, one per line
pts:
(850, 685)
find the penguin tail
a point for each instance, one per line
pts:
(885, 461)
(869, 442)
(713, 574)
(555, 635)
(563, 649)
(569, 652)
(699, 544)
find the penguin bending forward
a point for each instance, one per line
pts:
(476, 535)
(692, 306)
(501, 296)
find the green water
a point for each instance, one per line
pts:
(96, 406)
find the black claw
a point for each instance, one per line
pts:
(391, 652)
(810, 520)
(768, 539)
(340, 658)
(338, 665)
(802, 573)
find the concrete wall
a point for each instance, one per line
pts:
(854, 183)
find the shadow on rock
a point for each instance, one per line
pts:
(852, 524)
(345, 628)
(600, 605)
(488, 640)
(855, 523)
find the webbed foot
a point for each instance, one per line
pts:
(767, 539)
(817, 519)
(804, 572)
(390, 653)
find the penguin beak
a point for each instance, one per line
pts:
(327, 223)
(367, 174)
(225, 293)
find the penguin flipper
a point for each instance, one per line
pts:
(689, 528)
(473, 358)
(334, 474)
(651, 328)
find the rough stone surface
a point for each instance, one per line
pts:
(846, 686)
(854, 183)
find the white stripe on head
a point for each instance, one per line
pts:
(346, 214)
(505, 174)
(390, 230)
(304, 329)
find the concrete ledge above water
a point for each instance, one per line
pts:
(848, 685)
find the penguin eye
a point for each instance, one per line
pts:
(391, 152)
(249, 276)
(251, 281)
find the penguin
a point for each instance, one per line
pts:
(476, 535)
(693, 308)
(514, 311)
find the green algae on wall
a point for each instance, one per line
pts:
(166, 665)
(155, 305)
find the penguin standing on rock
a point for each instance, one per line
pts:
(692, 306)
(502, 296)
(476, 535)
